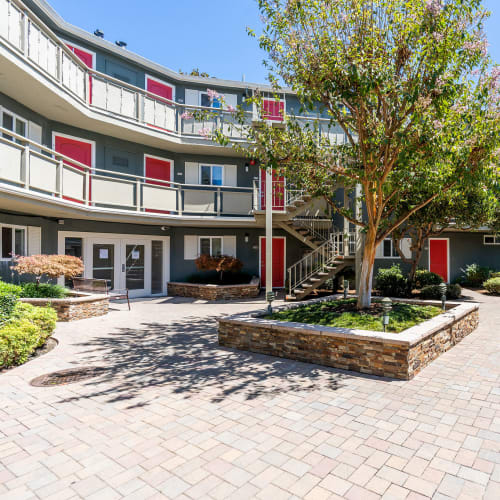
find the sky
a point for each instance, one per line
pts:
(187, 34)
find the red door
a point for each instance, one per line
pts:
(159, 88)
(278, 262)
(278, 191)
(88, 59)
(77, 150)
(273, 110)
(438, 257)
(157, 168)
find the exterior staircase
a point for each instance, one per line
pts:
(311, 231)
(318, 266)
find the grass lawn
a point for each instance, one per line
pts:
(343, 314)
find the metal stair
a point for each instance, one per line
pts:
(310, 272)
(311, 231)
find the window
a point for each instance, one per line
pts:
(491, 239)
(206, 102)
(389, 250)
(210, 245)
(12, 241)
(211, 175)
(119, 161)
(15, 123)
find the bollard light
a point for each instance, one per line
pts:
(386, 309)
(442, 289)
(346, 288)
(270, 296)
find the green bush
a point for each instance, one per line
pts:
(27, 328)
(493, 285)
(10, 289)
(432, 292)
(496, 274)
(475, 275)
(7, 303)
(423, 277)
(43, 291)
(391, 282)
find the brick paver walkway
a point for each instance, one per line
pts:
(178, 417)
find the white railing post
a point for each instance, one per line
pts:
(219, 201)
(59, 181)
(25, 166)
(87, 187)
(179, 200)
(140, 107)
(25, 33)
(138, 195)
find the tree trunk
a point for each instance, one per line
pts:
(366, 278)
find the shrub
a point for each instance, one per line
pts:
(426, 278)
(43, 290)
(432, 292)
(10, 289)
(7, 303)
(391, 282)
(475, 275)
(28, 328)
(221, 264)
(52, 266)
(493, 285)
(495, 274)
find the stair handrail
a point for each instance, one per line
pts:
(314, 261)
(312, 225)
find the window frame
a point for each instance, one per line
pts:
(496, 240)
(200, 98)
(13, 242)
(211, 238)
(200, 165)
(15, 116)
(393, 250)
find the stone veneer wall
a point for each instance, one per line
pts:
(77, 306)
(214, 292)
(398, 355)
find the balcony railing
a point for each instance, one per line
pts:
(27, 36)
(40, 170)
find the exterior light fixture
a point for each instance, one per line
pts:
(442, 289)
(247, 237)
(60, 222)
(99, 33)
(386, 308)
(121, 43)
(270, 296)
(346, 288)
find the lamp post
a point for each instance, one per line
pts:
(270, 296)
(442, 289)
(386, 309)
(346, 288)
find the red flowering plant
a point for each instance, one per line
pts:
(52, 266)
(221, 264)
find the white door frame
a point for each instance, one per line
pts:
(284, 258)
(119, 239)
(447, 255)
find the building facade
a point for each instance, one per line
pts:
(100, 158)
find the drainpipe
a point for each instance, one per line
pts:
(269, 231)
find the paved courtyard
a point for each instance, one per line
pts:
(175, 416)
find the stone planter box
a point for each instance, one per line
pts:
(397, 355)
(75, 306)
(215, 292)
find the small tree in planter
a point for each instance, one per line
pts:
(52, 266)
(221, 264)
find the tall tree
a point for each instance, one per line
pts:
(408, 83)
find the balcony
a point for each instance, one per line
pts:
(81, 95)
(33, 170)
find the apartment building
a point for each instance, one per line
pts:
(99, 158)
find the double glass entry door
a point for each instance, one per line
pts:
(127, 263)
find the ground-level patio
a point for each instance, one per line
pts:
(176, 416)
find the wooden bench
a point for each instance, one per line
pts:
(91, 285)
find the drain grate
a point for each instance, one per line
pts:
(69, 376)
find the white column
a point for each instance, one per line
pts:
(345, 237)
(269, 231)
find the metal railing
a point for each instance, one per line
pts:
(318, 260)
(320, 228)
(283, 195)
(43, 171)
(24, 33)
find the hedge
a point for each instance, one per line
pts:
(492, 285)
(28, 328)
(433, 292)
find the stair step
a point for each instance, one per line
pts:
(307, 285)
(298, 291)
(290, 298)
(314, 279)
